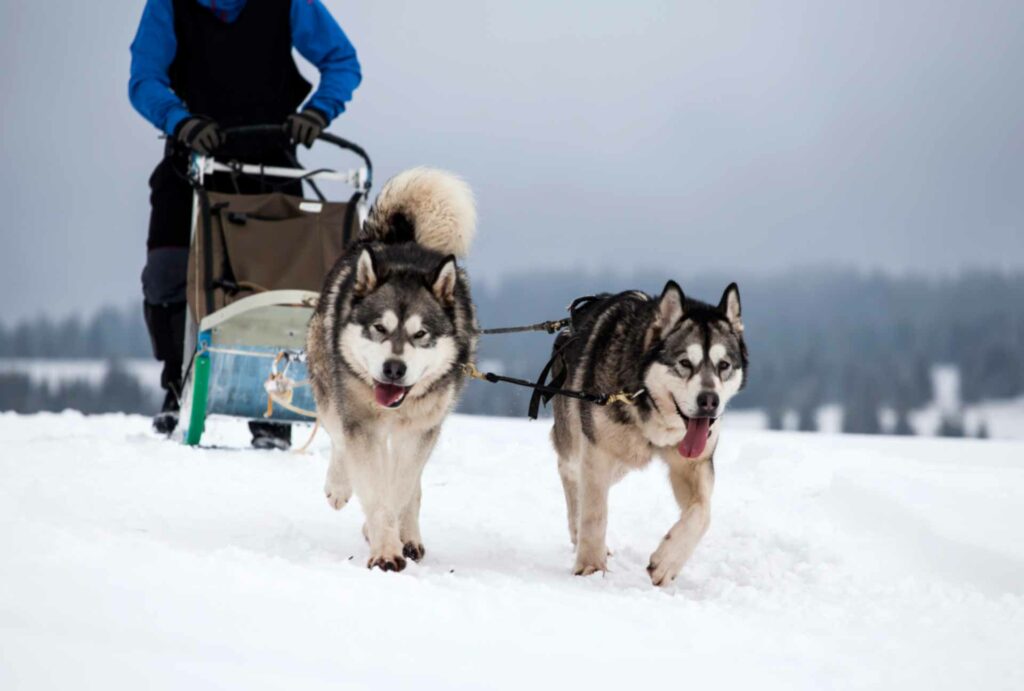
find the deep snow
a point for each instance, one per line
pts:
(831, 562)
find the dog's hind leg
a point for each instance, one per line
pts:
(409, 528)
(412, 450)
(597, 472)
(337, 486)
(692, 484)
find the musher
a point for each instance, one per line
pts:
(199, 66)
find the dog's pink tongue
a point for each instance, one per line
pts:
(696, 437)
(387, 394)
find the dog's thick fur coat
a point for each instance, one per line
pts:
(386, 347)
(689, 358)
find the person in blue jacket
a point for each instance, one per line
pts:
(199, 66)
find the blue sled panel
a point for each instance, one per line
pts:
(236, 386)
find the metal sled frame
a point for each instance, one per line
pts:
(231, 350)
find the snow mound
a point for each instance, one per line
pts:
(831, 562)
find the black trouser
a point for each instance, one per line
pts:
(170, 225)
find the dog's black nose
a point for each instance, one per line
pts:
(707, 402)
(394, 370)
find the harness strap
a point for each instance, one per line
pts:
(533, 411)
(595, 398)
(556, 382)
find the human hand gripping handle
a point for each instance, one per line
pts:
(200, 134)
(305, 127)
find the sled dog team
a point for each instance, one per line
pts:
(395, 326)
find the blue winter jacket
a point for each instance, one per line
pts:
(315, 34)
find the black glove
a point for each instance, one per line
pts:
(200, 134)
(305, 127)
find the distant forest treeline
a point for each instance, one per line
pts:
(117, 392)
(110, 333)
(860, 340)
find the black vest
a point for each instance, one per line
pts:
(240, 73)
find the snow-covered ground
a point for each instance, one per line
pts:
(129, 562)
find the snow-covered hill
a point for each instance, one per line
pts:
(832, 562)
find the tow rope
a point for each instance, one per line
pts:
(540, 389)
(552, 326)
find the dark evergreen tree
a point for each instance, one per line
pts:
(807, 420)
(861, 413)
(903, 427)
(951, 425)
(15, 391)
(997, 373)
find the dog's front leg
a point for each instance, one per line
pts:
(595, 479)
(337, 486)
(568, 470)
(412, 450)
(372, 472)
(692, 483)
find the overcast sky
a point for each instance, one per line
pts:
(733, 136)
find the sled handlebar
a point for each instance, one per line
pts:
(334, 139)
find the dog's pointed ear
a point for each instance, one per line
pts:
(670, 311)
(670, 307)
(366, 273)
(729, 305)
(446, 275)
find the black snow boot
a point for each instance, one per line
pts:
(166, 420)
(271, 435)
(166, 324)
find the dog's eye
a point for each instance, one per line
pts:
(379, 328)
(724, 366)
(685, 362)
(419, 334)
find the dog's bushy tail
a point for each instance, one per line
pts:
(431, 207)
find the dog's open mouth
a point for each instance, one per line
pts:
(389, 395)
(696, 438)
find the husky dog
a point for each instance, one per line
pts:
(689, 359)
(386, 346)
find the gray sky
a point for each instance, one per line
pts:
(736, 136)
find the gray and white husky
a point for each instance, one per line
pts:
(386, 346)
(689, 359)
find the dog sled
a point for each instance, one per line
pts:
(256, 265)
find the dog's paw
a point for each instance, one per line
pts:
(337, 487)
(389, 563)
(413, 550)
(586, 567)
(337, 495)
(665, 565)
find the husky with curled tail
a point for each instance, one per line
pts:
(386, 347)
